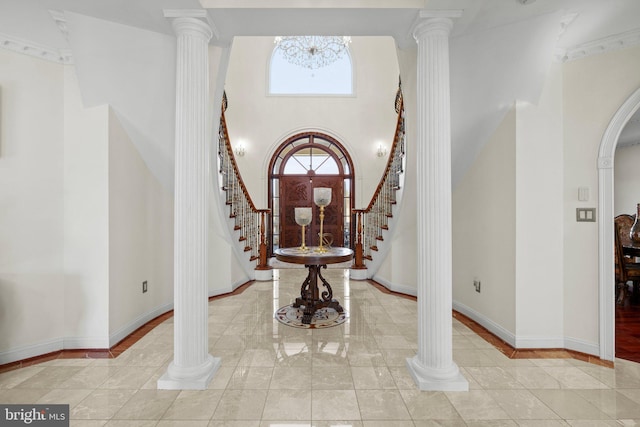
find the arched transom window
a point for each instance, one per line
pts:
(302, 163)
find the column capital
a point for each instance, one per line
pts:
(437, 22)
(194, 22)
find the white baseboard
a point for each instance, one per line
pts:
(123, 332)
(358, 273)
(72, 343)
(527, 342)
(50, 346)
(489, 324)
(582, 346)
(394, 287)
(263, 275)
(32, 350)
(539, 342)
(228, 289)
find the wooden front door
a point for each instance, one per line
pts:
(296, 191)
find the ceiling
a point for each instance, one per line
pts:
(593, 19)
(502, 25)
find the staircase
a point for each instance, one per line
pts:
(247, 222)
(374, 223)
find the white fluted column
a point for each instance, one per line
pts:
(192, 367)
(433, 367)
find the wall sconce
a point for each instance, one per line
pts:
(382, 150)
(240, 150)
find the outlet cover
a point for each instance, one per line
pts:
(477, 284)
(586, 214)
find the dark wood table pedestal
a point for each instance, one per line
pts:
(311, 297)
(632, 250)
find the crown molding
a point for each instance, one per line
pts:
(606, 44)
(61, 56)
(26, 47)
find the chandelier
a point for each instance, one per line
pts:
(312, 52)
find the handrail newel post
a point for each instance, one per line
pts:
(358, 260)
(262, 262)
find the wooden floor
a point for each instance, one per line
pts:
(628, 332)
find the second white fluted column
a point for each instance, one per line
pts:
(192, 367)
(433, 367)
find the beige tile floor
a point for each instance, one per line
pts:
(350, 375)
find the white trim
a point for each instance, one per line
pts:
(539, 342)
(127, 329)
(358, 273)
(526, 342)
(231, 288)
(51, 345)
(605, 44)
(403, 289)
(85, 343)
(32, 350)
(581, 346)
(487, 323)
(36, 50)
(606, 315)
(263, 275)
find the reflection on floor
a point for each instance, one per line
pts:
(349, 375)
(628, 332)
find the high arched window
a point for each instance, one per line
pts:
(286, 78)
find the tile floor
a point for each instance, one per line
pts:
(349, 375)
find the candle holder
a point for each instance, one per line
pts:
(303, 218)
(322, 198)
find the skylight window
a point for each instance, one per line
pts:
(287, 78)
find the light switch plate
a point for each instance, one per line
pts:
(586, 214)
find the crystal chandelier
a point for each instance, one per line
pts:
(312, 52)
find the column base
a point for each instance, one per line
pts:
(189, 378)
(263, 275)
(429, 379)
(358, 273)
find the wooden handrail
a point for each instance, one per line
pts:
(232, 157)
(389, 160)
(249, 220)
(374, 219)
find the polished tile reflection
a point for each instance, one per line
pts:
(351, 375)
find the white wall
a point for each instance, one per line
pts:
(140, 238)
(484, 234)
(31, 209)
(86, 219)
(539, 221)
(594, 88)
(359, 122)
(627, 178)
(133, 71)
(63, 242)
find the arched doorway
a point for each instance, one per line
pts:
(605, 224)
(301, 163)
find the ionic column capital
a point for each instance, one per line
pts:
(190, 23)
(434, 22)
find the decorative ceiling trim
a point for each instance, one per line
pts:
(606, 44)
(33, 49)
(61, 56)
(61, 22)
